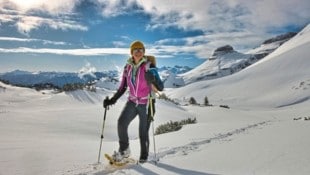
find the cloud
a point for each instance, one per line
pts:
(54, 7)
(33, 40)
(204, 15)
(87, 70)
(32, 14)
(119, 43)
(74, 52)
(160, 51)
(277, 13)
(116, 7)
(227, 15)
(27, 23)
(242, 24)
(203, 45)
(17, 39)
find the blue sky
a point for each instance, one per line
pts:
(69, 35)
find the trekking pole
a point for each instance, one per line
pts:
(103, 123)
(152, 115)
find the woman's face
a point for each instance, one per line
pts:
(138, 53)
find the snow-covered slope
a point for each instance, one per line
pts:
(226, 61)
(280, 79)
(47, 133)
(271, 44)
(60, 134)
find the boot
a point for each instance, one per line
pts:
(118, 156)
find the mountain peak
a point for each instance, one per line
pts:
(226, 48)
(221, 50)
(282, 37)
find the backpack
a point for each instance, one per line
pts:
(152, 60)
(151, 104)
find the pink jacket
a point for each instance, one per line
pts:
(139, 90)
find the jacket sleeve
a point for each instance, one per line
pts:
(123, 86)
(158, 82)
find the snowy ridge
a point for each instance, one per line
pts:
(302, 38)
(107, 79)
(57, 79)
(272, 44)
(226, 61)
(269, 82)
(221, 63)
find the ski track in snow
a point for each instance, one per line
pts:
(194, 146)
(184, 150)
(97, 169)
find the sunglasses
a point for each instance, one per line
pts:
(138, 50)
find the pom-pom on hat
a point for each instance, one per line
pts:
(136, 45)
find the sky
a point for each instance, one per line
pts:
(67, 36)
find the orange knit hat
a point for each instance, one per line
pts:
(136, 45)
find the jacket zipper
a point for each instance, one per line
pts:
(137, 84)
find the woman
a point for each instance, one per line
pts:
(141, 78)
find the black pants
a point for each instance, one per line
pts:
(130, 111)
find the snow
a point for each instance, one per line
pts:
(280, 79)
(43, 132)
(226, 61)
(222, 64)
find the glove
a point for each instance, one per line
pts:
(149, 77)
(151, 111)
(108, 102)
